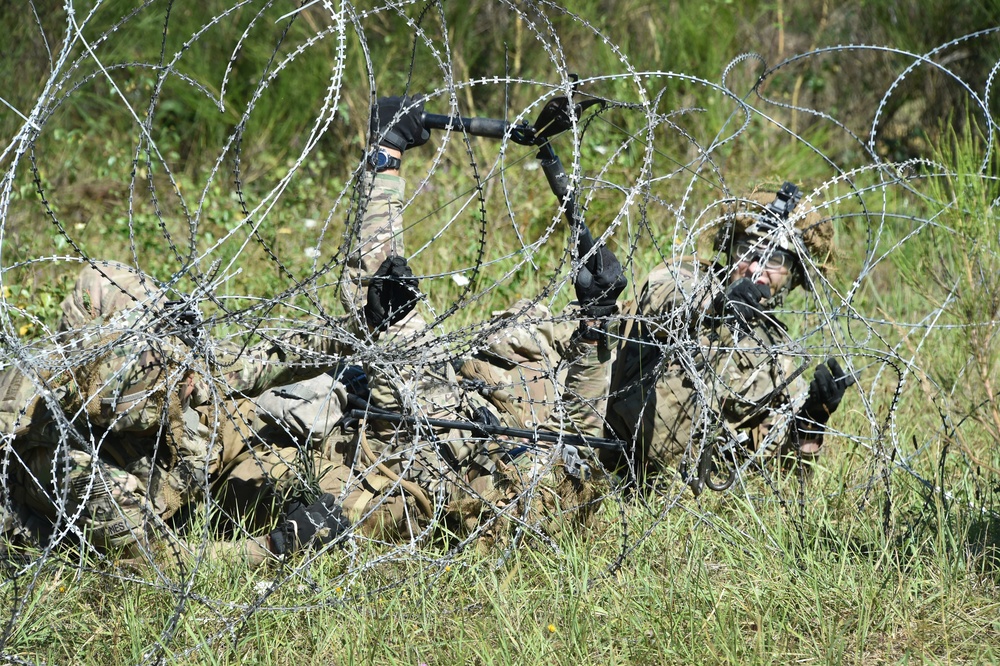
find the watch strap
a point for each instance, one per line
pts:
(380, 160)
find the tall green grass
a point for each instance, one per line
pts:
(728, 580)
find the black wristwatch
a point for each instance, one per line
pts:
(591, 333)
(603, 334)
(380, 160)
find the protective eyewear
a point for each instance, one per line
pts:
(773, 258)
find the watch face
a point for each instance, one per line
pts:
(382, 161)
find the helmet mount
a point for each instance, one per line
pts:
(772, 223)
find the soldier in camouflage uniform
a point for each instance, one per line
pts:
(705, 374)
(532, 374)
(142, 411)
(153, 418)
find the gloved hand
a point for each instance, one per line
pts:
(485, 415)
(392, 293)
(387, 128)
(321, 521)
(826, 390)
(742, 302)
(353, 377)
(599, 282)
(183, 319)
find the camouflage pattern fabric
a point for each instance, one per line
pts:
(519, 369)
(532, 374)
(105, 289)
(259, 482)
(264, 479)
(526, 362)
(144, 386)
(113, 506)
(139, 426)
(306, 411)
(20, 402)
(396, 481)
(379, 235)
(681, 379)
(172, 423)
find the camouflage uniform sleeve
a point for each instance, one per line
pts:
(107, 293)
(736, 372)
(780, 427)
(301, 353)
(746, 374)
(585, 390)
(379, 234)
(672, 296)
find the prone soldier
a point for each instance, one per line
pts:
(457, 475)
(706, 375)
(142, 412)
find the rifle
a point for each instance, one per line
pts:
(485, 429)
(728, 443)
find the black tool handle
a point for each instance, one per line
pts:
(555, 172)
(490, 128)
(558, 179)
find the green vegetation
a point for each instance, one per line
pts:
(734, 580)
(867, 564)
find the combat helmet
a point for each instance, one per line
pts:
(777, 219)
(104, 289)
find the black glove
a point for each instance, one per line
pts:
(599, 282)
(741, 302)
(826, 390)
(388, 128)
(353, 377)
(392, 293)
(183, 320)
(322, 521)
(485, 415)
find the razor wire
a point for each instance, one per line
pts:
(228, 286)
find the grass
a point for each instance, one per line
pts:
(730, 580)
(865, 564)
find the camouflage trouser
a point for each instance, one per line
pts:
(488, 486)
(300, 455)
(256, 490)
(113, 506)
(384, 496)
(547, 492)
(118, 492)
(408, 482)
(538, 374)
